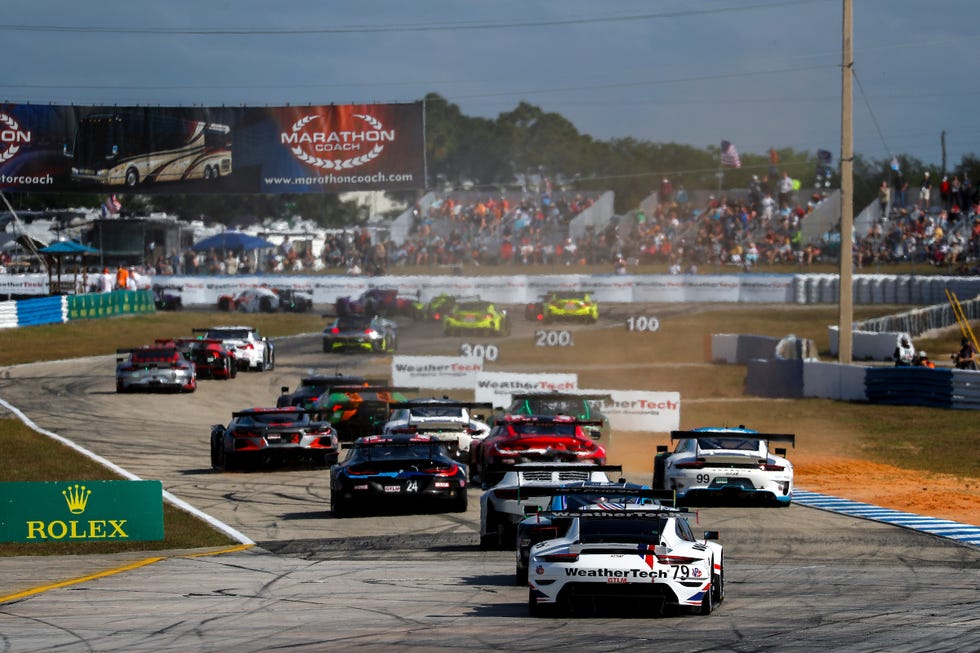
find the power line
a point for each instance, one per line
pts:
(419, 27)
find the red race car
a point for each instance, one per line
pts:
(533, 438)
(211, 359)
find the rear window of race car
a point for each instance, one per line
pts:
(629, 531)
(156, 356)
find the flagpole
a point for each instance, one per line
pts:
(845, 306)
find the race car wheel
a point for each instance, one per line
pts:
(459, 504)
(534, 608)
(505, 331)
(341, 506)
(718, 586)
(217, 454)
(491, 539)
(520, 577)
(708, 600)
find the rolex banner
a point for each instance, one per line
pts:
(81, 511)
(301, 149)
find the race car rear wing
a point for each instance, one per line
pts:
(553, 467)
(382, 441)
(705, 435)
(439, 403)
(613, 490)
(555, 394)
(283, 410)
(549, 419)
(372, 388)
(621, 513)
(430, 427)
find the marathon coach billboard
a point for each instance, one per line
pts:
(301, 149)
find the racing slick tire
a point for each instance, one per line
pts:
(520, 576)
(340, 506)
(460, 503)
(534, 608)
(708, 600)
(718, 586)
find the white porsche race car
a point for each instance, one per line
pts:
(725, 464)
(252, 351)
(446, 419)
(528, 487)
(640, 556)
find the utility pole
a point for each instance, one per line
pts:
(942, 143)
(845, 303)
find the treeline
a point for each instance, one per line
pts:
(518, 148)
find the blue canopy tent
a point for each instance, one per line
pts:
(58, 251)
(233, 241)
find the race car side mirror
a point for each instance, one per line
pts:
(661, 448)
(284, 389)
(781, 451)
(711, 535)
(595, 434)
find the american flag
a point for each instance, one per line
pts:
(729, 155)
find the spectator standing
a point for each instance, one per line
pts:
(884, 198)
(966, 357)
(925, 191)
(785, 191)
(105, 281)
(945, 193)
(666, 194)
(900, 186)
(904, 353)
(122, 277)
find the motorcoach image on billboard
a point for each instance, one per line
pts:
(130, 149)
(298, 149)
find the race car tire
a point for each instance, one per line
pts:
(718, 586)
(340, 506)
(708, 600)
(491, 539)
(460, 503)
(520, 576)
(217, 455)
(265, 305)
(659, 461)
(323, 459)
(534, 608)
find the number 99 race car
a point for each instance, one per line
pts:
(725, 464)
(642, 555)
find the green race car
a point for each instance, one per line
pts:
(438, 307)
(478, 317)
(563, 306)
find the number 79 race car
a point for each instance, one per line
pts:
(642, 555)
(725, 464)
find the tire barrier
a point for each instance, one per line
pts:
(62, 308)
(44, 310)
(909, 386)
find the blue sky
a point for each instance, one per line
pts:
(760, 73)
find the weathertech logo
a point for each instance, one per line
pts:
(11, 137)
(337, 150)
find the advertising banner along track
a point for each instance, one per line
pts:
(301, 149)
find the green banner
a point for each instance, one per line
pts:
(81, 511)
(107, 304)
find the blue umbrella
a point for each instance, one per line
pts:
(231, 240)
(67, 247)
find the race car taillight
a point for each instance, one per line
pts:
(506, 493)
(437, 317)
(335, 330)
(772, 468)
(442, 471)
(488, 316)
(676, 560)
(561, 557)
(697, 464)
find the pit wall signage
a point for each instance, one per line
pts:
(211, 150)
(641, 410)
(436, 372)
(497, 387)
(81, 511)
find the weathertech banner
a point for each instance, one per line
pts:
(302, 149)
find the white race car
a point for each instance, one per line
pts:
(524, 488)
(252, 351)
(725, 463)
(634, 555)
(446, 419)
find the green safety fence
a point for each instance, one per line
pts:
(107, 304)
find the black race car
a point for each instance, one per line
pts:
(311, 387)
(403, 471)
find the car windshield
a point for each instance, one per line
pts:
(437, 411)
(553, 406)
(277, 417)
(621, 531)
(473, 307)
(739, 444)
(155, 356)
(227, 334)
(544, 429)
(397, 452)
(352, 322)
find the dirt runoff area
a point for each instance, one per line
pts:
(943, 496)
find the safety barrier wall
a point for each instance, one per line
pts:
(117, 302)
(870, 345)
(62, 308)
(44, 310)
(739, 349)
(906, 386)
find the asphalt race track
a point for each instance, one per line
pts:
(796, 578)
